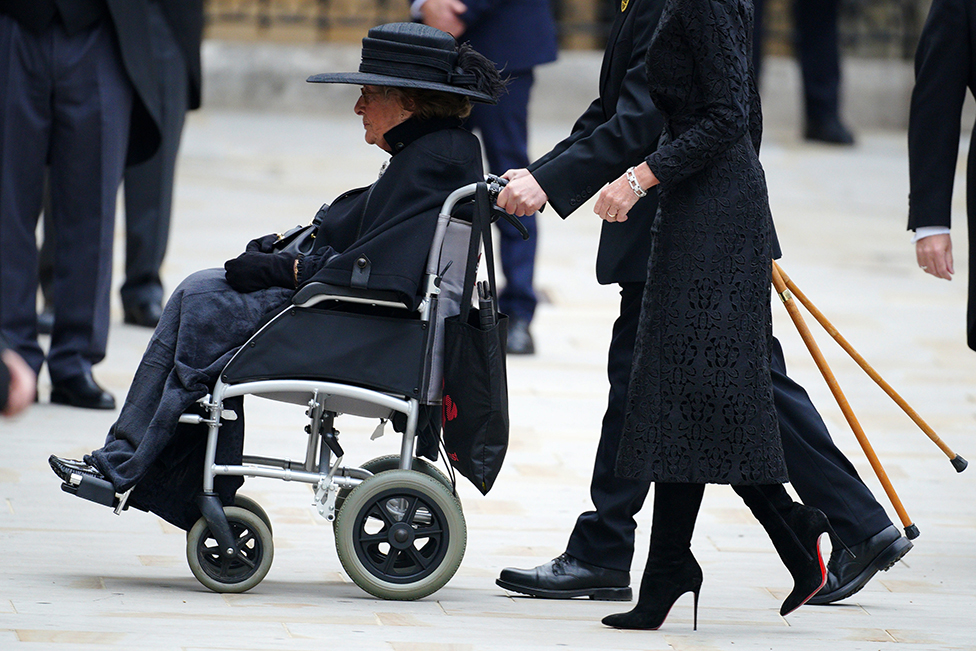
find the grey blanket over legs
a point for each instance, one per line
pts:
(204, 323)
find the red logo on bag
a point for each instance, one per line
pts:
(450, 409)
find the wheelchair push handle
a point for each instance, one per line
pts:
(495, 185)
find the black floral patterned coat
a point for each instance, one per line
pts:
(701, 403)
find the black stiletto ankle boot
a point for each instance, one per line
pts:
(795, 531)
(803, 559)
(660, 588)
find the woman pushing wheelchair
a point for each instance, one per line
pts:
(417, 86)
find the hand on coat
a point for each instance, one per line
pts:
(253, 270)
(523, 195)
(23, 383)
(264, 244)
(934, 254)
(445, 15)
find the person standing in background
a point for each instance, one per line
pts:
(77, 95)
(516, 35)
(817, 49)
(176, 31)
(945, 62)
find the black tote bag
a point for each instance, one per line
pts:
(475, 396)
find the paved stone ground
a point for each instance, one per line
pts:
(75, 576)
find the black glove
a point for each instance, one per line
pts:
(262, 244)
(251, 271)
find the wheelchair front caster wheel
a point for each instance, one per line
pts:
(401, 535)
(247, 568)
(249, 504)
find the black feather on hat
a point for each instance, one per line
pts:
(412, 55)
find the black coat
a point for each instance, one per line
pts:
(619, 129)
(185, 20)
(945, 67)
(700, 407)
(391, 223)
(131, 25)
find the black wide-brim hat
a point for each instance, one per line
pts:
(409, 55)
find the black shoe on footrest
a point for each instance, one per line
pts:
(65, 468)
(83, 480)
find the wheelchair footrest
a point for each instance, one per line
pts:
(94, 489)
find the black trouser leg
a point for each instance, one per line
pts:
(822, 476)
(605, 536)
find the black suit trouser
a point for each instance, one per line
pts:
(504, 133)
(148, 186)
(817, 50)
(65, 102)
(821, 475)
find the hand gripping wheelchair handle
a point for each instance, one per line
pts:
(495, 185)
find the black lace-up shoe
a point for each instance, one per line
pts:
(846, 574)
(65, 468)
(565, 577)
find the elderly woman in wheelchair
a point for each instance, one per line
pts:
(373, 243)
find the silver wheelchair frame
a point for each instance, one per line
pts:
(422, 534)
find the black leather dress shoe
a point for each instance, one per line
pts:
(144, 314)
(519, 338)
(82, 391)
(565, 577)
(847, 575)
(830, 131)
(64, 468)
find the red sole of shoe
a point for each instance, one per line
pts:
(823, 576)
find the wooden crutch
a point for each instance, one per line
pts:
(957, 461)
(911, 531)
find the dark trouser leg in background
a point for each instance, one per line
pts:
(84, 131)
(504, 131)
(148, 187)
(671, 568)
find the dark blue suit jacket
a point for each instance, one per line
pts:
(515, 35)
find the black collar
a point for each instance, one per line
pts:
(412, 129)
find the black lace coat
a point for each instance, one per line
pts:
(700, 407)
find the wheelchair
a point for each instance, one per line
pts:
(399, 527)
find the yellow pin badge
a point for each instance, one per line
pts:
(623, 5)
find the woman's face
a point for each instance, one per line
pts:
(380, 113)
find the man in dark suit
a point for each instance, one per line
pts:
(944, 65)
(76, 83)
(516, 35)
(176, 31)
(620, 128)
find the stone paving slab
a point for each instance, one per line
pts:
(72, 575)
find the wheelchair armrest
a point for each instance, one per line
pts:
(313, 293)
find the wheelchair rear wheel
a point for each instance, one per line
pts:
(392, 462)
(401, 535)
(243, 571)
